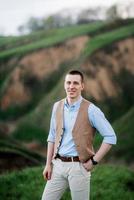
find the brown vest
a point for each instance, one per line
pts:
(83, 133)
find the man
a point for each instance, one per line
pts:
(70, 154)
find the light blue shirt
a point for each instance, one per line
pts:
(96, 118)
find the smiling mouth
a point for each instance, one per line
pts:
(71, 92)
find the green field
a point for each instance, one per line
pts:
(107, 183)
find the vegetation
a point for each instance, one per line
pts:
(29, 131)
(16, 41)
(14, 156)
(125, 130)
(38, 89)
(106, 39)
(19, 46)
(59, 36)
(107, 182)
(32, 120)
(38, 118)
(10, 145)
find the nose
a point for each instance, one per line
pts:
(71, 85)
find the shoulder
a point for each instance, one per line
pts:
(57, 103)
(91, 106)
(93, 109)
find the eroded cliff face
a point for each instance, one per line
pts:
(45, 61)
(100, 69)
(39, 64)
(106, 64)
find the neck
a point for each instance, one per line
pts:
(72, 100)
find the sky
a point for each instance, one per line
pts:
(14, 13)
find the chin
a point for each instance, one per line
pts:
(72, 97)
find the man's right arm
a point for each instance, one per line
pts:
(50, 147)
(48, 168)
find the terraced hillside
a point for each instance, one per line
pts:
(32, 70)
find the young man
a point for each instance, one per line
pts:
(70, 154)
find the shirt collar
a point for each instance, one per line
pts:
(75, 104)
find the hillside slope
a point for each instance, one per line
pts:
(125, 129)
(32, 76)
(104, 84)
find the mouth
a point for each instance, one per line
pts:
(71, 92)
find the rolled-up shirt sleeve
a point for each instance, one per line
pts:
(102, 125)
(52, 130)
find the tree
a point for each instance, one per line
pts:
(34, 24)
(112, 13)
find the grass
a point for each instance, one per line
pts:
(38, 118)
(30, 132)
(35, 125)
(110, 182)
(59, 37)
(38, 89)
(106, 39)
(94, 44)
(107, 182)
(9, 42)
(125, 132)
(124, 129)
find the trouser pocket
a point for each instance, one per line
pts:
(84, 171)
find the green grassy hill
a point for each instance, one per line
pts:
(46, 40)
(107, 182)
(17, 47)
(42, 111)
(108, 38)
(22, 45)
(32, 119)
(125, 131)
(39, 116)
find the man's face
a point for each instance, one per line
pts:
(73, 86)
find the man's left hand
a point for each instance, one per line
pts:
(88, 165)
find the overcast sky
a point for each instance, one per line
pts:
(16, 12)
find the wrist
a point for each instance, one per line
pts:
(94, 162)
(48, 163)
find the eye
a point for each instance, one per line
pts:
(68, 82)
(76, 83)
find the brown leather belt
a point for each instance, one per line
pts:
(68, 159)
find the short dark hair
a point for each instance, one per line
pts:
(77, 72)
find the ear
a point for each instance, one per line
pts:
(64, 85)
(82, 86)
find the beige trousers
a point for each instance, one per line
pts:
(64, 175)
